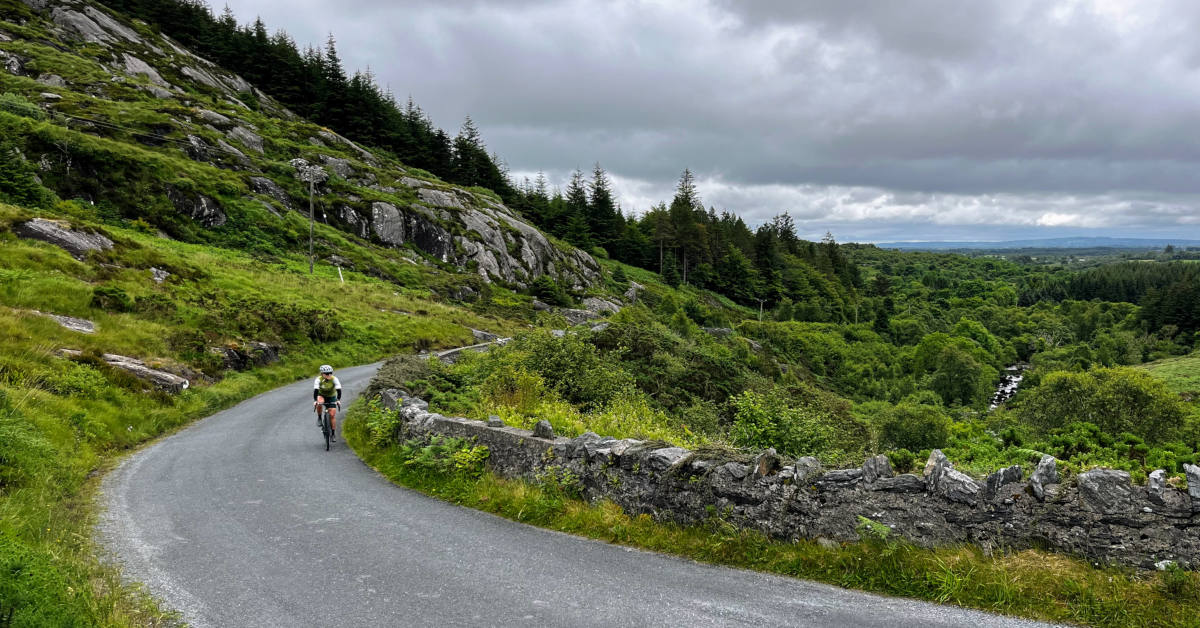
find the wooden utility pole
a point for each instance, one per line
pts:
(310, 226)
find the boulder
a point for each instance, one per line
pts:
(718, 332)
(158, 275)
(58, 233)
(12, 63)
(543, 429)
(841, 478)
(875, 468)
(631, 294)
(51, 80)
(484, 336)
(1044, 475)
(578, 317)
(957, 486)
(244, 357)
(539, 306)
(494, 420)
(203, 209)
(267, 187)
(157, 92)
(600, 306)
(1106, 491)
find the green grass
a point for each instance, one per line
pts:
(1030, 584)
(63, 421)
(1181, 374)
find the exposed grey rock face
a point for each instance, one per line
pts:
(806, 469)
(157, 91)
(245, 357)
(198, 207)
(159, 275)
(77, 243)
(80, 26)
(1044, 475)
(577, 317)
(202, 77)
(267, 187)
(80, 325)
(340, 167)
(439, 198)
(718, 332)
(876, 468)
(600, 306)
(495, 421)
(214, 118)
(484, 336)
(113, 26)
(543, 429)
(631, 294)
(52, 80)
(161, 380)
(904, 483)
(11, 63)
(665, 458)
(136, 67)
(1106, 491)
(248, 138)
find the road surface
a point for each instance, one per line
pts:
(243, 519)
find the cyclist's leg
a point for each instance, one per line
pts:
(333, 418)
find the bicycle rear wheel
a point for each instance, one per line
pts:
(325, 428)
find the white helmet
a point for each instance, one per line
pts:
(325, 368)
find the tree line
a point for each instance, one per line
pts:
(314, 84)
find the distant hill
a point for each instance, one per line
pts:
(1045, 243)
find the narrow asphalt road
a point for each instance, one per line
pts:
(243, 519)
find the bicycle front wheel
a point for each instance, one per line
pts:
(326, 429)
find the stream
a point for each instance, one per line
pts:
(1009, 382)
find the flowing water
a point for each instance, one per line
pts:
(1009, 382)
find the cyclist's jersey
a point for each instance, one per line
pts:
(330, 388)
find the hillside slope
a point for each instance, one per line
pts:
(125, 118)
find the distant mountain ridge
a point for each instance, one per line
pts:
(1046, 243)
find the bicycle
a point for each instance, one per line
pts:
(326, 426)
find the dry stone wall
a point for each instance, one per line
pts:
(1100, 515)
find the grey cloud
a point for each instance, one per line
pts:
(1010, 99)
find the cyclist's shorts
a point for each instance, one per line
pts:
(331, 404)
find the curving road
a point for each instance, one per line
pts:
(243, 519)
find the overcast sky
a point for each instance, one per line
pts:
(874, 119)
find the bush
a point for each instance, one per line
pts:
(548, 290)
(1115, 399)
(794, 428)
(914, 427)
(111, 299)
(82, 380)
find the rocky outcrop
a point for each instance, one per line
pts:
(1103, 518)
(160, 379)
(80, 325)
(267, 187)
(198, 207)
(58, 233)
(250, 355)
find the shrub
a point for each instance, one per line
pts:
(548, 290)
(914, 427)
(111, 299)
(1115, 399)
(82, 380)
(793, 427)
(516, 388)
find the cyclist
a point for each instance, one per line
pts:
(327, 391)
